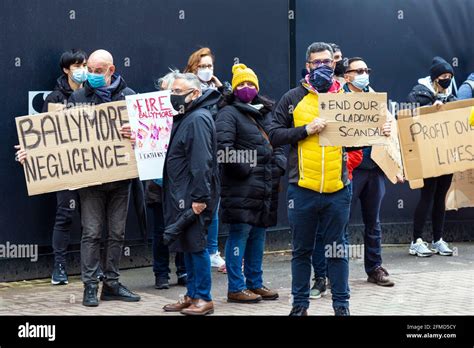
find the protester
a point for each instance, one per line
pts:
(201, 64)
(191, 181)
(74, 74)
(318, 193)
(339, 67)
(465, 91)
(368, 184)
(103, 205)
(249, 191)
(161, 254)
(435, 89)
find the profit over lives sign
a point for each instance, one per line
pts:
(436, 141)
(77, 147)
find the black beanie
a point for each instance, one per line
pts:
(438, 67)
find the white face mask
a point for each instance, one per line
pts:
(205, 74)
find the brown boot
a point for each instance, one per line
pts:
(199, 307)
(244, 296)
(266, 293)
(180, 305)
(380, 277)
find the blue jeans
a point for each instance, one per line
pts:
(318, 260)
(369, 187)
(161, 254)
(213, 233)
(308, 212)
(198, 267)
(244, 242)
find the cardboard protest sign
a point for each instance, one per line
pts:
(75, 148)
(52, 107)
(151, 118)
(461, 192)
(388, 157)
(354, 119)
(436, 141)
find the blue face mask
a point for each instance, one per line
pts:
(361, 81)
(79, 75)
(96, 80)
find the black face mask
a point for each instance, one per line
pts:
(178, 102)
(340, 68)
(445, 83)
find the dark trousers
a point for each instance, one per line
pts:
(432, 193)
(161, 254)
(308, 212)
(66, 207)
(103, 206)
(368, 185)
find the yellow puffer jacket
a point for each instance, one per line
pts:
(320, 167)
(471, 119)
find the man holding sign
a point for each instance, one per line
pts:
(368, 183)
(318, 194)
(103, 205)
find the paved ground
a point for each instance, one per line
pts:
(424, 286)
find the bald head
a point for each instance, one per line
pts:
(102, 56)
(101, 62)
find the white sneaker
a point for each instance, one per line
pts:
(420, 248)
(441, 247)
(216, 260)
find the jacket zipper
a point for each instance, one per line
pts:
(322, 171)
(301, 163)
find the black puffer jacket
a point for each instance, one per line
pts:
(249, 192)
(61, 93)
(191, 171)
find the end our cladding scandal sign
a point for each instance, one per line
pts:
(353, 119)
(151, 119)
(77, 147)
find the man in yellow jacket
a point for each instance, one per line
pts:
(318, 193)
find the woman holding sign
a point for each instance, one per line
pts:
(435, 89)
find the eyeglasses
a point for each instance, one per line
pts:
(319, 62)
(360, 71)
(204, 66)
(178, 91)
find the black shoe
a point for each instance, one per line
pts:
(117, 292)
(90, 295)
(183, 280)
(319, 288)
(173, 231)
(342, 311)
(100, 275)
(161, 283)
(59, 276)
(298, 311)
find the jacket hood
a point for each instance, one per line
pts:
(426, 82)
(62, 85)
(209, 98)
